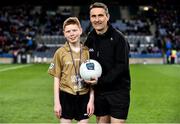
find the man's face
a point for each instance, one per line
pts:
(99, 19)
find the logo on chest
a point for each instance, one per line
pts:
(91, 50)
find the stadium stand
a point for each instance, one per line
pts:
(37, 30)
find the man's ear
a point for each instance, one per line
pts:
(108, 16)
(81, 30)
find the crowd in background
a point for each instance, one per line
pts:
(20, 25)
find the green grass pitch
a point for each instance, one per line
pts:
(26, 94)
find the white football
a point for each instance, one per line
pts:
(90, 69)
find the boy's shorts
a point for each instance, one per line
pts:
(74, 106)
(115, 104)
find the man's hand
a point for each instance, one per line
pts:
(92, 81)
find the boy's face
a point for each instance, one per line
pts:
(72, 33)
(99, 19)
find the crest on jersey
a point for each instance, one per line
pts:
(51, 66)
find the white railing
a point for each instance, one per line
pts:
(56, 40)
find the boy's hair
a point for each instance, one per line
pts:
(99, 5)
(71, 20)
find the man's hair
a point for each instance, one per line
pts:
(99, 5)
(71, 20)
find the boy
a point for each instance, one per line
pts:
(73, 99)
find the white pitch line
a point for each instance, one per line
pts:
(14, 67)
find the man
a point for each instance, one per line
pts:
(109, 47)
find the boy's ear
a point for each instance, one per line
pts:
(63, 32)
